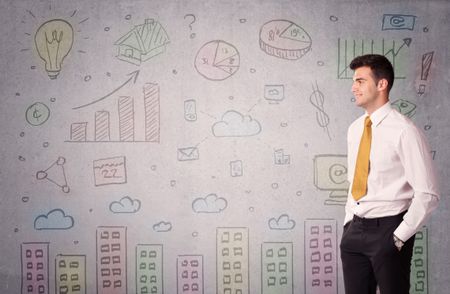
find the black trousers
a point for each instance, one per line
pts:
(370, 258)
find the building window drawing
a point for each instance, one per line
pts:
(111, 264)
(149, 268)
(35, 271)
(232, 260)
(190, 274)
(320, 256)
(70, 274)
(277, 268)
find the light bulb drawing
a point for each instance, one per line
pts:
(54, 40)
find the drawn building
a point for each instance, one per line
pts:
(419, 263)
(232, 260)
(142, 42)
(321, 256)
(111, 260)
(35, 271)
(70, 274)
(149, 269)
(277, 268)
(190, 274)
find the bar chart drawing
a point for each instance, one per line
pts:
(123, 125)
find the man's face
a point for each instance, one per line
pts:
(365, 88)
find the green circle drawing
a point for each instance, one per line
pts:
(37, 114)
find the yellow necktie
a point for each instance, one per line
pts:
(359, 187)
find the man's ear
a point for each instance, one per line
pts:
(382, 85)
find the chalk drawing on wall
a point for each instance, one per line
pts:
(133, 77)
(330, 174)
(149, 268)
(277, 275)
(419, 263)
(109, 171)
(321, 256)
(129, 127)
(162, 226)
(217, 60)
(70, 273)
(192, 20)
(236, 168)
(284, 39)
(280, 158)
(392, 50)
(398, 22)
(55, 219)
(209, 204)
(405, 107)
(53, 40)
(234, 124)
(142, 42)
(190, 110)
(111, 259)
(317, 99)
(283, 222)
(55, 174)
(37, 114)
(188, 153)
(35, 267)
(274, 93)
(427, 60)
(190, 274)
(232, 262)
(125, 205)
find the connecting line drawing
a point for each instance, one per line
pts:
(349, 49)
(57, 178)
(317, 100)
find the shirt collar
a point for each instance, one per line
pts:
(379, 114)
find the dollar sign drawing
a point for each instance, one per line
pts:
(317, 100)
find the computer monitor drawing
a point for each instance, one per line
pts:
(330, 174)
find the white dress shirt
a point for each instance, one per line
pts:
(401, 175)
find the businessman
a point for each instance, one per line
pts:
(393, 188)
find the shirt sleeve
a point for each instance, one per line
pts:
(348, 211)
(415, 156)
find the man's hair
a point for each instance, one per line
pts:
(381, 67)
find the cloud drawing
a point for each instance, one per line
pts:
(125, 205)
(282, 223)
(56, 219)
(234, 124)
(209, 204)
(162, 226)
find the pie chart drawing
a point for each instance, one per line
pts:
(284, 39)
(217, 60)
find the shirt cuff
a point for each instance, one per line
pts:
(404, 232)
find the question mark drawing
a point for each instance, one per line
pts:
(191, 23)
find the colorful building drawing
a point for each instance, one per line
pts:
(70, 274)
(277, 268)
(35, 271)
(232, 260)
(142, 42)
(190, 274)
(112, 260)
(149, 269)
(320, 256)
(419, 263)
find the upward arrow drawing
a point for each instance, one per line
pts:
(133, 77)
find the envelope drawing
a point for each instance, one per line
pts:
(188, 153)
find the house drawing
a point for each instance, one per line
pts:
(142, 42)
